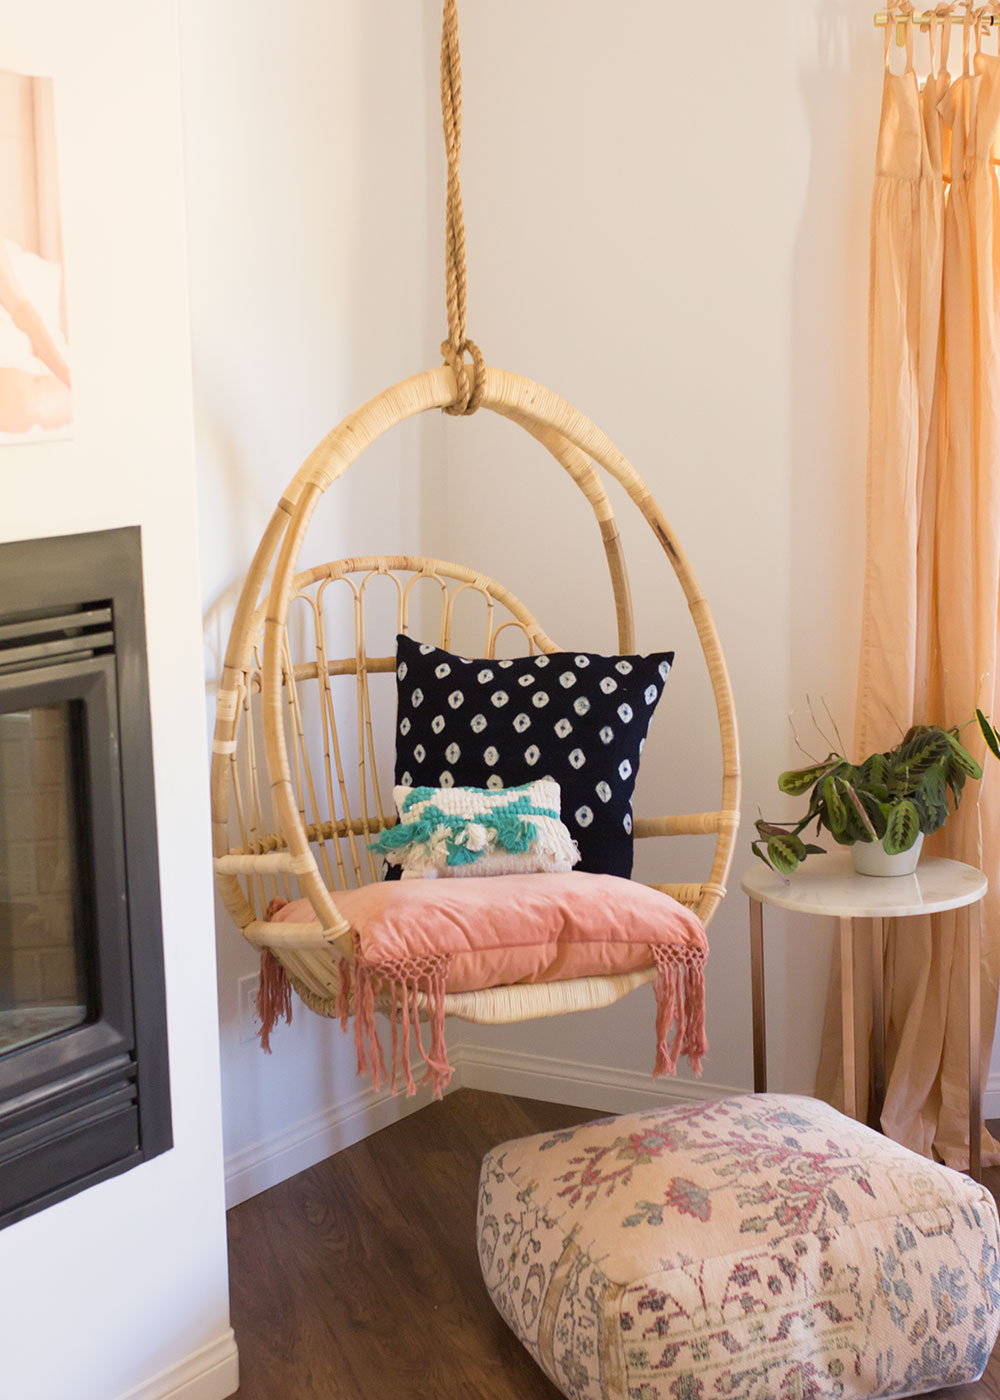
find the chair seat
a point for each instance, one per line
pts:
(750, 1248)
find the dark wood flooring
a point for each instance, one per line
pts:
(359, 1280)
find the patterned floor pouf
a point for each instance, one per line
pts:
(754, 1248)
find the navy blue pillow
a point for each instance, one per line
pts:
(580, 718)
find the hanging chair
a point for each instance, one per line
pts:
(292, 815)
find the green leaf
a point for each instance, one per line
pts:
(872, 806)
(783, 854)
(934, 785)
(989, 734)
(874, 770)
(836, 812)
(755, 847)
(956, 781)
(799, 780)
(922, 747)
(902, 828)
(867, 826)
(932, 815)
(962, 758)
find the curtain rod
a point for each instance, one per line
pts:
(924, 17)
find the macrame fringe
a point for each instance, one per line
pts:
(274, 997)
(400, 981)
(680, 1001)
(343, 1008)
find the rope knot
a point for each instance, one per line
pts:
(468, 395)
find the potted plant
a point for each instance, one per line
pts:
(882, 808)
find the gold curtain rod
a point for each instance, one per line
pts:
(925, 16)
(922, 19)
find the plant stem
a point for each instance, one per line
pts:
(836, 731)
(812, 757)
(824, 737)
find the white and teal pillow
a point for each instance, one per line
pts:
(456, 831)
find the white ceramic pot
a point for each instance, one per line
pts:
(870, 858)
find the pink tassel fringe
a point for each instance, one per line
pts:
(680, 1001)
(403, 980)
(274, 997)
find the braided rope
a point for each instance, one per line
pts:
(469, 392)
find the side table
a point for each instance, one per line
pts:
(828, 885)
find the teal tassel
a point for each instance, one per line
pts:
(461, 855)
(514, 833)
(393, 838)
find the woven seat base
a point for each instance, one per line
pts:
(755, 1248)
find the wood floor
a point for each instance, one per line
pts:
(358, 1279)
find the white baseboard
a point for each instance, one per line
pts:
(311, 1140)
(582, 1085)
(210, 1373)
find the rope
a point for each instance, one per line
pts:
(469, 393)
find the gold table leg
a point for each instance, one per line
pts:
(757, 996)
(878, 1018)
(847, 1013)
(974, 916)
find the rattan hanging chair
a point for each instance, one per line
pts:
(292, 816)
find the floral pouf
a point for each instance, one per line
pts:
(754, 1248)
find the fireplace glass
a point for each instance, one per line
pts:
(46, 895)
(84, 1081)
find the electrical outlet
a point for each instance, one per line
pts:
(246, 991)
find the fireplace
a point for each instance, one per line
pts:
(84, 1091)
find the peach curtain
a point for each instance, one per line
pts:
(929, 642)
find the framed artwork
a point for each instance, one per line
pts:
(36, 402)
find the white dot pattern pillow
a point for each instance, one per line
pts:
(581, 718)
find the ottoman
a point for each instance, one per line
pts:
(755, 1248)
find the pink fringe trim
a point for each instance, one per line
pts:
(401, 980)
(274, 997)
(680, 1001)
(274, 991)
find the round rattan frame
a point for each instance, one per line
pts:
(309, 953)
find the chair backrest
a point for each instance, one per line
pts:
(289, 689)
(339, 709)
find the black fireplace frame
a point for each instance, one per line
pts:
(92, 1101)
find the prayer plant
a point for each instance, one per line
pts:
(891, 797)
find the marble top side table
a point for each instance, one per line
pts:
(828, 885)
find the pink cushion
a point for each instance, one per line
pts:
(427, 938)
(515, 928)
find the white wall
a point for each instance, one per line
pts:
(122, 1288)
(311, 149)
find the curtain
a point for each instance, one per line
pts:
(930, 649)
